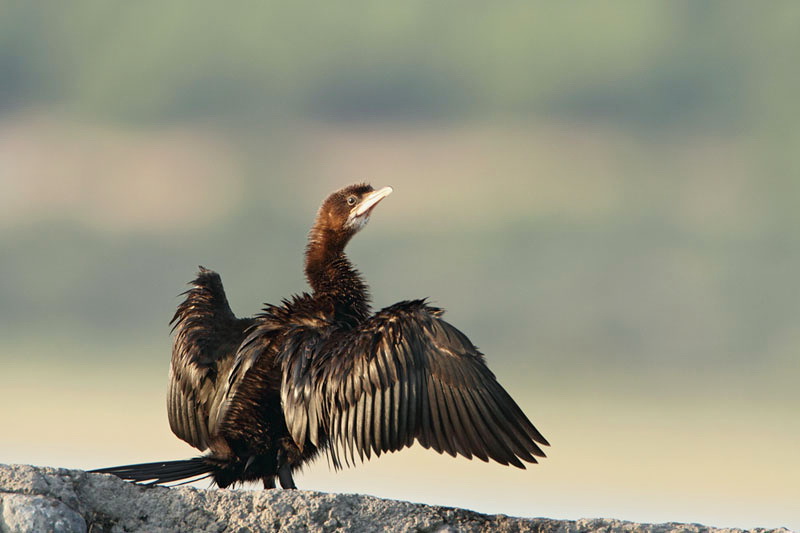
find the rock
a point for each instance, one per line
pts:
(58, 500)
(37, 514)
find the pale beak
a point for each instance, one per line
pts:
(371, 200)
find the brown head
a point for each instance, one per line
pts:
(343, 214)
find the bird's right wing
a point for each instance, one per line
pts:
(207, 335)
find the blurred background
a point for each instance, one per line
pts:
(604, 197)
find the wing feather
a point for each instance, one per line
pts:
(366, 427)
(425, 436)
(358, 427)
(377, 424)
(438, 422)
(348, 436)
(412, 407)
(386, 417)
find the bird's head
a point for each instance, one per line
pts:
(345, 212)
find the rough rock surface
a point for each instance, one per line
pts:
(34, 499)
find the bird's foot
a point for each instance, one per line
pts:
(285, 477)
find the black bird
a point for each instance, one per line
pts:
(264, 395)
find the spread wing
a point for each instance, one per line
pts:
(403, 375)
(207, 335)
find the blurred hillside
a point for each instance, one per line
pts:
(605, 200)
(706, 64)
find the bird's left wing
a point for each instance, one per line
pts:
(403, 375)
(207, 335)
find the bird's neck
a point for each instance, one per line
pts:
(337, 285)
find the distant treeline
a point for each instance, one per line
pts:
(645, 63)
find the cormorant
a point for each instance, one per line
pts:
(264, 395)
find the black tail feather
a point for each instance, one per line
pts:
(163, 472)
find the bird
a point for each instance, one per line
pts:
(320, 373)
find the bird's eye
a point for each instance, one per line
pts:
(351, 200)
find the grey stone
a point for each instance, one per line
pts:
(21, 513)
(103, 503)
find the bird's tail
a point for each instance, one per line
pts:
(187, 471)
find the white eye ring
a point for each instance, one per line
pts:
(351, 200)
